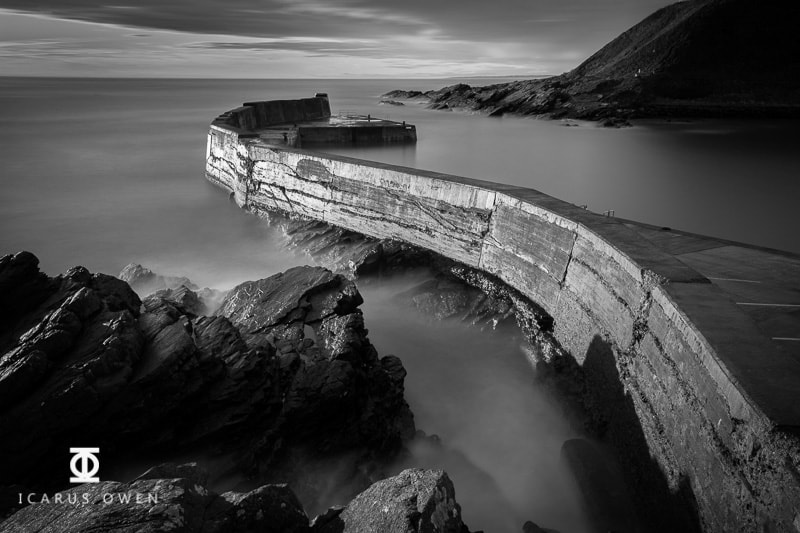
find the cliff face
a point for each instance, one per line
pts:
(699, 57)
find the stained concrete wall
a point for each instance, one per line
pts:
(254, 115)
(712, 414)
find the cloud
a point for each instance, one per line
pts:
(501, 19)
(251, 18)
(475, 36)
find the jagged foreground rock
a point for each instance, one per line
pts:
(86, 363)
(699, 57)
(165, 498)
(175, 498)
(415, 500)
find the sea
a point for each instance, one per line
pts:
(105, 172)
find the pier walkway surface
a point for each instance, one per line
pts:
(764, 283)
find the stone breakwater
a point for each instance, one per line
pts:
(712, 399)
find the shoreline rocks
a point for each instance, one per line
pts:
(90, 364)
(172, 497)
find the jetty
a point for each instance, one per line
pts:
(697, 337)
(308, 122)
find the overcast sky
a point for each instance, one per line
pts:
(307, 38)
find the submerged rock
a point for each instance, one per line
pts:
(445, 296)
(347, 252)
(532, 527)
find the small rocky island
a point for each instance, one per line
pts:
(705, 58)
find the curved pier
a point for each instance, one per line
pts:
(701, 334)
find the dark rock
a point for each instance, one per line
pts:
(530, 527)
(346, 252)
(22, 287)
(191, 471)
(406, 95)
(176, 502)
(446, 296)
(334, 383)
(321, 521)
(144, 281)
(278, 306)
(85, 368)
(61, 362)
(184, 299)
(414, 500)
(616, 122)
(454, 291)
(177, 289)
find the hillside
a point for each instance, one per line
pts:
(698, 57)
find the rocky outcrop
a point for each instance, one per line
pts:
(703, 58)
(165, 498)
(145, 282)
(177, 289)
(278, 386)
(416, 500)
(69, 345)
(173, 497)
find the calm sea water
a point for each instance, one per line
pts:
(106, 172)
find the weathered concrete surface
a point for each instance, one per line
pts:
(715, 389)
(308, 121)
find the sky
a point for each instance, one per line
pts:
(307, 38)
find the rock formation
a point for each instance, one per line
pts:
(176, 498)
(278, 386)
(178, 289)
(165, 498)
(414, 500)
(699, 57)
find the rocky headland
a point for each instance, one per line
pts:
(704, 58)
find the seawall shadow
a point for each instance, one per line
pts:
(614, 422)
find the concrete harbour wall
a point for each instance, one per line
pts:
(254, 115)
(718, 404)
